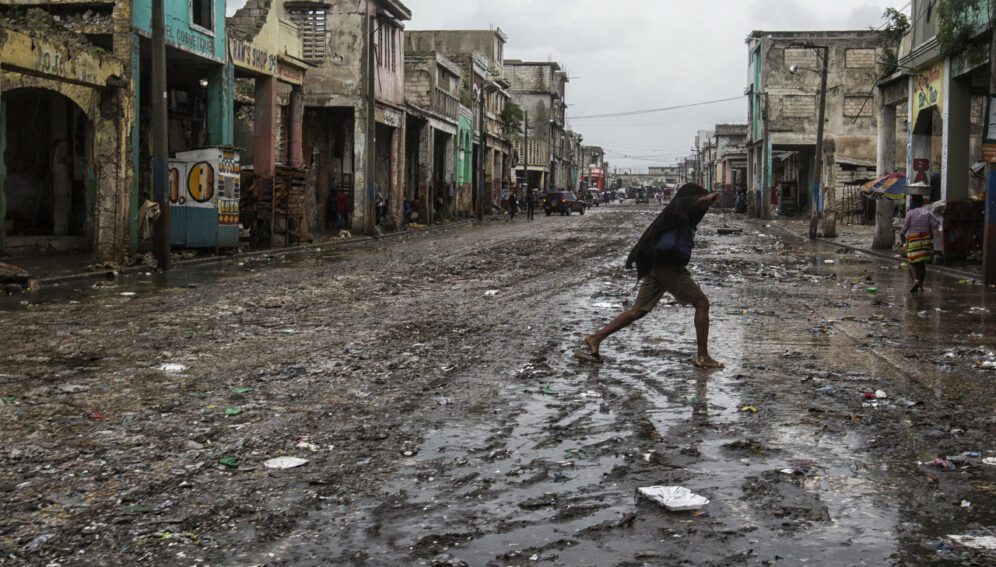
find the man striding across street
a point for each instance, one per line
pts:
(660, 256)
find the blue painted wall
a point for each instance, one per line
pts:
(178, 28)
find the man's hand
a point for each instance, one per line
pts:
(629, 265)
(707, 199)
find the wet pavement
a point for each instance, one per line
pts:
(429, 382)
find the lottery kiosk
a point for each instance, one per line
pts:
(204, 198)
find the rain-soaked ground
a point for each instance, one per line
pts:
(428, 382)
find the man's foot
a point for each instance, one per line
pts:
(917, 286)
(707, 362)
(590, 355)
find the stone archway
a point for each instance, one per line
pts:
(48, 196)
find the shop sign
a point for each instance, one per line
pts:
(928, 89)
(388, 117)
(248, 56)
(290, 74)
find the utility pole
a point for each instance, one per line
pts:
(989, 229)
(482, 145)
(160, 139)
(525, 154)
(818, 212)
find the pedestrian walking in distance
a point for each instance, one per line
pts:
(660, 257)
(512, 205)
(918, 234)
(530, 204)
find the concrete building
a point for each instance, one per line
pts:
(66, 114)
(354, 132)
(593, 167)
(704, 158)
(539, 88)
(480, 55)
(432, 94)
(783, 109)
(669, 175)
(730, 164)
(937, 98)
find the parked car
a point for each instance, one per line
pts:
(641, 196)
(563, 202)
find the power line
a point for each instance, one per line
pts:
(651, 110)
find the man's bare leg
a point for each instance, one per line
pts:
(623, 320)
(702, 335)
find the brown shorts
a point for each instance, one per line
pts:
(670, 279)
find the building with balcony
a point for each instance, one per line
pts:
(432, 96)
(479, 54)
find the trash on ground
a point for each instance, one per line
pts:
(987, 542)
(881, 394)
(229, 462)
(233, 411)
(548, 499)
(285, 462)
(674, 498)
(989, 461)
(940, 464)
(751, 409)
(871, 289)
(966, 504)
(172, 367)
(39, 541)
(241, 390)
(491, 293)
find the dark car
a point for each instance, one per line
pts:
(563, 202)
(641, 196)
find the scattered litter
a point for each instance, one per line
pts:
(828, 261)
(172, 367)
(307, 445)
(241, 390)
(285, 462)
(991, 461)
(674, 498)
(872, 290)
(491, 293)
(940, 464)
(233, 411)
(127, 293)
(966, 504)
(975, 542)
(589, 394)
(443, 400)
(97, 415)
(229, 462)
(750, 409)
(881, 394)
(548, 499)
(39, 541)
(548, 391)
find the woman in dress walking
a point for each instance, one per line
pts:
(918, 234)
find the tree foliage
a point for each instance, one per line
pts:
(958, 27)
(512, 117)
(896, 26)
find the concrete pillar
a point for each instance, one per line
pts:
(62, 199)
(426, 188)
(957, 134)
(886, 163)
(221, 105)
(264, 129)
(362, 221)
(3, 169)
(395, 205)
(295, 155)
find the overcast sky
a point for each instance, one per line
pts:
(638, 54)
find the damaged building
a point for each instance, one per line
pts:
(538, 87)
(783, 98)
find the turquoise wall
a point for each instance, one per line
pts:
(465, 142)
(178, 29)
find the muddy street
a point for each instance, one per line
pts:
(429, 384)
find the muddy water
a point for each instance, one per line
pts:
(452, 425)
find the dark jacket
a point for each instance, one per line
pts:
(682, 209)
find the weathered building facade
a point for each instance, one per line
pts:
(480, 55)
(66, 113)
(730, 164)
(783, 108)
(354, 106)
(539, 88)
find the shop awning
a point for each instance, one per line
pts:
(892, 186)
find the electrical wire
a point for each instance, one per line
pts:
(652, 110)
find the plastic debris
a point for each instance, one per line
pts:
(172, 367)
(38, 542)
(987, 542)
(966, 504)
(233, 411)
(674, 498)
(991, 461)
(241, 390)
(751, 409)
(941, 464)
(229, 462)
(828, 261)
(872, 290)
(881, 394)
(127, 293)
(491, 293)
(285, 462)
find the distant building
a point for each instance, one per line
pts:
(783, 107)
(539, 88)
(730, 164)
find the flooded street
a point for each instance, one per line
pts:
(429, 382)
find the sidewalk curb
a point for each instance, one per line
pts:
(273, 252)
(941, 269)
